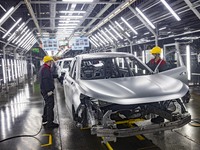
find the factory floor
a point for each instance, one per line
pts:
(21, 129)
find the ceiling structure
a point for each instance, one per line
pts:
(107, 23)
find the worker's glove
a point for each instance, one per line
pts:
(50, 93)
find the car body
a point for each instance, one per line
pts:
(102, 89)
(63, 65)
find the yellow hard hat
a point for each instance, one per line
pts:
(47, 58)
(156, 50)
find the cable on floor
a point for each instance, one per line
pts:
(195, 122)
(24, 135)
(19, 136)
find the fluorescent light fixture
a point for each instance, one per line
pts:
(129, 25)
(20, 34)
(188, 61)
(77, 1)
(11, 28)
(92, 43)
(22, 25)
(25, 38)
(15, 67)
(103, 38)
(12, 70)
(143, 60)
(163, 28)
(3, 68)
(68, 21)
(134, 37)
(116, 32)
(146, 33)
(26, 41)
(71, 16)
(95, 39)
(8, 64)
(67, 27)
(27, 44)
(127, 34)
(65, 24)
(100, 39)
(136, 68)
(73, 11)
(119, 25)
(145, 18)
(30, 44)
(6, 15)
(111, 34)
(171, 10)
(106, 36)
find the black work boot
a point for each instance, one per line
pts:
(157, 120)
(51, 125)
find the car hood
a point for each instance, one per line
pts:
(134, 90)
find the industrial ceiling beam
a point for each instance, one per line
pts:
(115, 12)
(52, 14)
(30, 9)
(74, 2)
(98, 15)
(190, 5)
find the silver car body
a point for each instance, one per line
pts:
(135, 91)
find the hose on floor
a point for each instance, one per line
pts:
(195, 122)
(24, 135)
(19, 136)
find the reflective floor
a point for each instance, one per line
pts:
(20, 115)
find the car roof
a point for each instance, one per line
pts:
(104, 55)
(64, 59)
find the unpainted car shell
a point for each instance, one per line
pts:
(124, 91)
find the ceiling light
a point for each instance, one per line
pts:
(11, 28)
(26, 41)
(103, 38)
(127, 34)
(71, 16)
(6, 15)
(94, 41)
(129, 25)
(97, 41)
(116, 32)
(67, 27)
(65, 24)
(171, 10)
(68, 21)
(106, 36)
(145, 18)
(163, 28)
(119, 25)
(188, 64)
(72, 11)
(24, 38)
(100, 39)
(22, 25)
(111, 34)
(146, 33)
(20, 34)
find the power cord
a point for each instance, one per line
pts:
(25, 135)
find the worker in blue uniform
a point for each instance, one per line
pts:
(47, 90)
